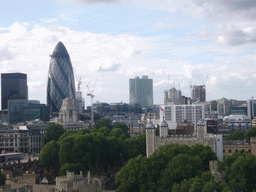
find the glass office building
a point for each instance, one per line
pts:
(141, 91)
(15, 110)
(61, 83)
(13, 87)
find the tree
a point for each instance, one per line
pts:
(250, 133)
(118, 133)
(166, 168)
(122, 126)
(127, 177)
(134, 146)
(240, 169)
(237, 135)
(2, 179)
(49, 155)
(103, 130)
(105, 122)
(53, 132)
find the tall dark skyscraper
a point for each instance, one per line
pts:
(141, 91)
(61, 83)
(13, 87)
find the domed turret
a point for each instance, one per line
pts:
(163, 129)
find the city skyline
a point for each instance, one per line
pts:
(175, 43)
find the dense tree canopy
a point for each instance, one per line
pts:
(237, 135)
(105, 122)
(169, 165)
(240, 135)
(240, 169)
(53, 132)
(49, 156)
(102, 148)
(250, 133)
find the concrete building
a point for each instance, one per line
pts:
(61, 83)
(13, 86)
(198, 93)
(153, 142)
(177, 114)
(26, 138)
(141, 91)
(174, 97)
(251, 108)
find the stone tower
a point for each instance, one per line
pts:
(150, 138)
(68, 113)
(163, 129)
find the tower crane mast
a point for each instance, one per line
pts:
(91, 91)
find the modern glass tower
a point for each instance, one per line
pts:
(13, 86)
(61, 83)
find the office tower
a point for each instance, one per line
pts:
(141, 91)
(198, 93)
(61, 83)
(13, 87)
(21, 110)
(174, 97)
(15, 110)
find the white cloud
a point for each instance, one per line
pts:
(49, 20)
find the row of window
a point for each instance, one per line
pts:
(236, 150)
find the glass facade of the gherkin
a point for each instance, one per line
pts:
(61, 83)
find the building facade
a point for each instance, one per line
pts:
(22, 110)
(13, 86)
(198, 93)
(177, 114)
(61, 83)
(174, 97)
(141, 91)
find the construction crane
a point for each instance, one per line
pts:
(91, 91)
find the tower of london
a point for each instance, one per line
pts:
(153, 142)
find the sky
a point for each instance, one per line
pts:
(176, 43)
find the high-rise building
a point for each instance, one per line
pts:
(61, 83)
(141, 91)
(198, 93)
(13, 87)
(174, 97)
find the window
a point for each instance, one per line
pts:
(223, 150)
(229, 150)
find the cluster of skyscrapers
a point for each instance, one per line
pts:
(61, 84)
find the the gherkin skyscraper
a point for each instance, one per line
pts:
(61, 83)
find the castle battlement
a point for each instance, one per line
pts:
(153, 142)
